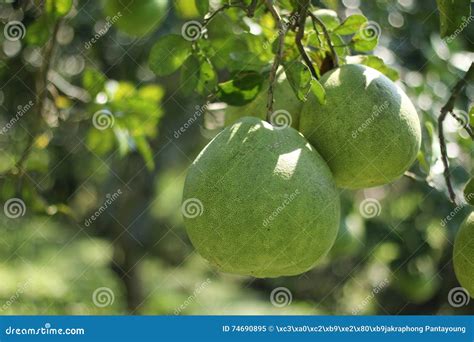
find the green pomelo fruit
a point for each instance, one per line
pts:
(469, 192)
(286, 103)
(138, 18)
(268, 205)
(368, 130)
(463, 255)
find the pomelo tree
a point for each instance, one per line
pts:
(103, 91)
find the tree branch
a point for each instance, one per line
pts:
(41, 92)
(249, 10)
(448, 108)
(302, 13)
(335, 57)
(278, 56)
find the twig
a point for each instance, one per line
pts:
(278, 56)
(67, 88)
(303, 12)
(251, 8)
(335, 57)
(448, 108)
(416, 178)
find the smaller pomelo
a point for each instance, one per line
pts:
(463, 255)
(368, 130)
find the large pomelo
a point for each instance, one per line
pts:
(137, 17)
(286, 107)
(463, 255)
(260, 201)
(368, 130)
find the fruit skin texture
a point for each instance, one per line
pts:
(139, 17)
(284, 97)
(248, 173)
(368, 130)
(463, 255)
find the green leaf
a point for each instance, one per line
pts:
(328, 17)
(351, 25)
(245, 60)
(198, 75)
(453, 15)
(318, 90)
(471, 115)
(202, 6)
(207, 78)
(242, 89)
(93, 81)
(423, 162)
(189, 75)
(364, 41)
(145, 151)
(169, 54)
(101, 142)
(339, 45)
(58, 8)
(299, 77)
(39, 32)
(124, 140)
(374, 62)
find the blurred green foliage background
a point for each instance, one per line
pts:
(135, 256)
